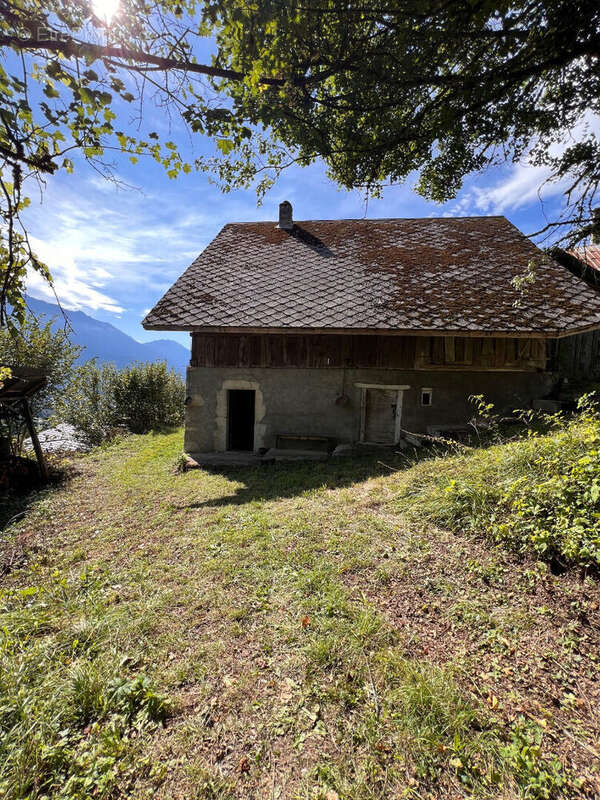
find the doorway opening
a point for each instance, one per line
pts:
(240, 419)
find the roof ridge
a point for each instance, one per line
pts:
(375, 219)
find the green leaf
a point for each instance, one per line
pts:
(225, 146)
(50, 91)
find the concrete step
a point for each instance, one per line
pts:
(282, 454)
(232, 458)
(238, 458)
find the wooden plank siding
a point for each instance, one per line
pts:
(360, 351)
(578, 356)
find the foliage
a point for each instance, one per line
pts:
(148, 396)
(360, 650)
(36, 345)
(540, 778)
(88, 403)
(377, 91)
(102, 399)
(540, 493)
(68, 715)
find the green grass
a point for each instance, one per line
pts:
(288, 632)
(538, 494)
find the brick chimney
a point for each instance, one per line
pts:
(285, 216)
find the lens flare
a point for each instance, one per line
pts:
(105, 9)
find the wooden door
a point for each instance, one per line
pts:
(381, 408)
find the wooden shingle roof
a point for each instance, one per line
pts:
(457, 275)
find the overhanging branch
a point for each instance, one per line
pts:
(72, 48)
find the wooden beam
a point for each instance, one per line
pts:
(34, 438)
(477, 334)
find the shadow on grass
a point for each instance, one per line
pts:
(292, 479)
(16, 502)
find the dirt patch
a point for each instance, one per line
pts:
(522, 640)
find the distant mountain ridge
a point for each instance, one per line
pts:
(107, 343)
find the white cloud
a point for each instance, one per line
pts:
(96, 247)
(524, 183)
(74, 285)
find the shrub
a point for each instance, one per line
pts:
(539, 494)
(139, 398)
(148, 396)
(559, 516)
(538, 777)
(88, 403)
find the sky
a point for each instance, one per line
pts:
(114, 251)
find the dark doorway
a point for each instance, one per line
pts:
(240, 419)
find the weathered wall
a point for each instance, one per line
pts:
(577, 356)
(302, 401)
(366, 351)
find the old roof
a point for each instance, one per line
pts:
(590, 254)
(454, 274)
(22, 383)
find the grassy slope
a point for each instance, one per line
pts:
(313, 642)
(539, 493)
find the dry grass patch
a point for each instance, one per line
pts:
(281, 633)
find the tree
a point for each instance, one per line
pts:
(101, 400)
(37, 345)
(378, 89)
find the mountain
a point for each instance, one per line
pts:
(103, 341)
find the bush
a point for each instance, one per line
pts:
(539, 494)
(148, 396)
(102, 399)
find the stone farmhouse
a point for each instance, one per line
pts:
(314, 334)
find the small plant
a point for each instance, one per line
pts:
(488, 573)
(539, 777)
(485, 417)
(135, 698)
(181, 463)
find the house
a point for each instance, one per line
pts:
(589, 255)
(577, 357)
(315, 333)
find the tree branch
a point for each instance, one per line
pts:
(72, 47)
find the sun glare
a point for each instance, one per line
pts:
(105, 9)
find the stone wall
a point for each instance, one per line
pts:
(303, 401)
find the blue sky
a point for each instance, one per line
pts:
(114, 251)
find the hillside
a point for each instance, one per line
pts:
(105, 342)
(301, 630)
